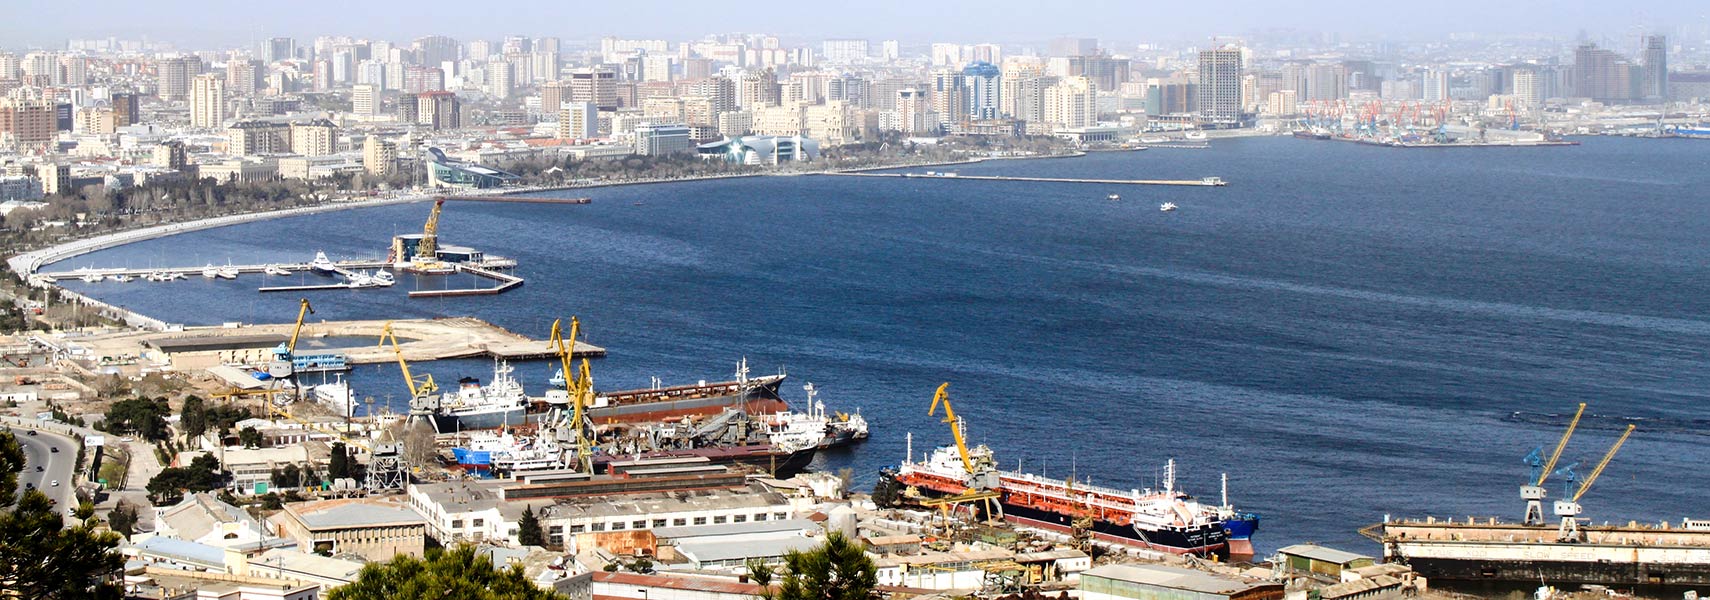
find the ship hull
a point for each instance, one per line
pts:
(1240, 531)
(1487, 555)
(449, 423)
(1497, 576)
(1199, 541)
(650, 405)
(760, 458)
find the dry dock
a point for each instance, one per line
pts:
(1205, 182)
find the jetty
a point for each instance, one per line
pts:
(1203, 182)
(486, 269)
(419, 340)
(521, 199)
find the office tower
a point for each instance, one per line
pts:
(126, 109)
(946, 55)
(1072, 102)
(1656, 67)
(757, 89)
(434, 49)
(243, 76)
(1065, 47)
(317, 137)
(379, 157)
(480, 50)
(365, 99)
(1528, 91)
(595, 85)
(208, 102)
(578, 121)
(438, 110)
(173, 77)
(982, 81)
(1219, 98)
(843, 50)
(1601, 75)
(26, 124)
(1435, 86)
(890, 50)
(949, 96)
(280, 48)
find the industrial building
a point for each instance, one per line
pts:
(1158, 582)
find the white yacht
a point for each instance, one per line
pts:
(226, 272)
(322, 264)
(93, 278)
(337, 396)
(122, 278)
(359, 279)
(275, 270)
(1113, 197)
(384, 278)
(1167, 206)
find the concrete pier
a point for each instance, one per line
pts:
(1206, 182)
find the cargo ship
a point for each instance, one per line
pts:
(782, 463)
(474, 406)
(756, 395)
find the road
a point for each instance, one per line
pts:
(56, 466)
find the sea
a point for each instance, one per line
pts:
(1348, 332)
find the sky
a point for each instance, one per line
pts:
(224, 23)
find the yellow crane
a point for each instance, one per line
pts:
(579, 385)
(303, 310)
(981, 478)
(1533, 494)
(427, 252)
(419, 388)
(942, 396)
(1569, 509)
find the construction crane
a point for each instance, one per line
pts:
(419, 388)
(428, 250)
(580, 386)
(1533, 493)
(1569, 509)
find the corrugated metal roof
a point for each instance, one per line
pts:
(1321, 553)
(1174, 578)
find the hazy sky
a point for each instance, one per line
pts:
(209, 23)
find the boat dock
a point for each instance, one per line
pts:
(344, 266)
(521, 199)
(506, 281)
(1205, 182)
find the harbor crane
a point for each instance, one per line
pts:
(982, 473)
(580, 385)
(1569, 509)
(420, 388)
(1533, 493)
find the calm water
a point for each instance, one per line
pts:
(1345, 330)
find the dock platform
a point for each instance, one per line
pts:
(1205, 182)
(521, 199)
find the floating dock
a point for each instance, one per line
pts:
(1205, 182)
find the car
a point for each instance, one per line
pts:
(53, 449)
(55, 483)
(29, 486)
(32, 432)
(38, 468)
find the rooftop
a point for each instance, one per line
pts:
(751, 527)
(218, 342)
(352, 512)
(726, 550)
(672, 582)
(1322, 554)
(1174, 578)
(664, 502)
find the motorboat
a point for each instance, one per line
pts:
(93, 278)
(322, 264)
(384, 278)
(1167, 206)
(122, 278)
(226, 272)
(275, 270)
(1113, 197)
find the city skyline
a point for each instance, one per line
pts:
(191, 23)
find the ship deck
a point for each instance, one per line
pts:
(1492, 530)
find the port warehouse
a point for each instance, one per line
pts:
(204, 352)
(1159, 582)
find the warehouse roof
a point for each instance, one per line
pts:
(219, 342)
(1175, 578)
(1322, 554)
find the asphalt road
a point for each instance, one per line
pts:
(38, 451)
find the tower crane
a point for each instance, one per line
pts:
(1533, 493)
(580, 385)
(1569, 509)
(421, 388)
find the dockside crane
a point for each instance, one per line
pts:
(420, 388)
(982, 474)
(580, 385)
(1569, 509)
(1533, 494)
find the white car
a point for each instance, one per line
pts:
(55, 483)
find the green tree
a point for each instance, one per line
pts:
(141, 416)
(42, 558)
(528, 529)
(123, 518)
(338, 467)
(837, 570)
(193, 417)
(455, 573)
(249, 437)
(11, 464)
(759, 572)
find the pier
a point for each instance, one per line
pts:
(1205, 182)
(521, 199)
(507, 282)
(487, 269)
(419, 340)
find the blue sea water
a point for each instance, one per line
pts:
(1345, 330)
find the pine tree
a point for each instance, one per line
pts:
(455, 573)
(837, 570)
(528, 529)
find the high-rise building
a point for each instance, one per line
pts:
(890, 50)
(1435, 86)
(439, 110)
(757, 89)
(170, 155)
(379, 157)
(984, 88)
(1326, 82)
(26, 124)
(1106, 72)
(553, 95)
(946, 55)
(126, 110)
(914, 111)
(208, 102)
(544, 65)
(720, 91)
(280, 48)
(1219, 99)
(365, 99)
(578, 121)
(501, 78)
(480, 50)
(949, 97)
(423, 79)
(843, 51)
(653, 139)
(1601, 75)
(243, 76)
(255, 138)
(1072, 47)
(317, 137)
(1073, 102)
(1528, 90)
(173, 75)
(1656, 67)
(434, 49)
(594, 85)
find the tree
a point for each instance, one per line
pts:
(193, 417)
(202, 475)
(528, 529)
(837, 570)
(759, 572)
(887, 493)
(249, 437)
(141, 416)
(123, 518)
(456, 573)
(338, 467)
(42, 558)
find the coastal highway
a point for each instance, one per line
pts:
(56, 466)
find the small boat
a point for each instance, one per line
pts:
(1154, 139)
(1194, 135)
(1167, 206)
(211, 272)
(155, 276)
(122, 278)
(275, 270)
(322, 264)
(93, 278)
(1113, 197)
(359, 279)
(174, 276)
(383, 279)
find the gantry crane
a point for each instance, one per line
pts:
(580, 386)
(1533, 493)
(1569, 509)
(421, 388)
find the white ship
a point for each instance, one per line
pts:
(226, 272)
(322, 264)
(1167, 206)
(211, 272)
(506, 452)
(384, 278)
(275, 270)
(822, 430)
(337, 396)
(476, 406)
